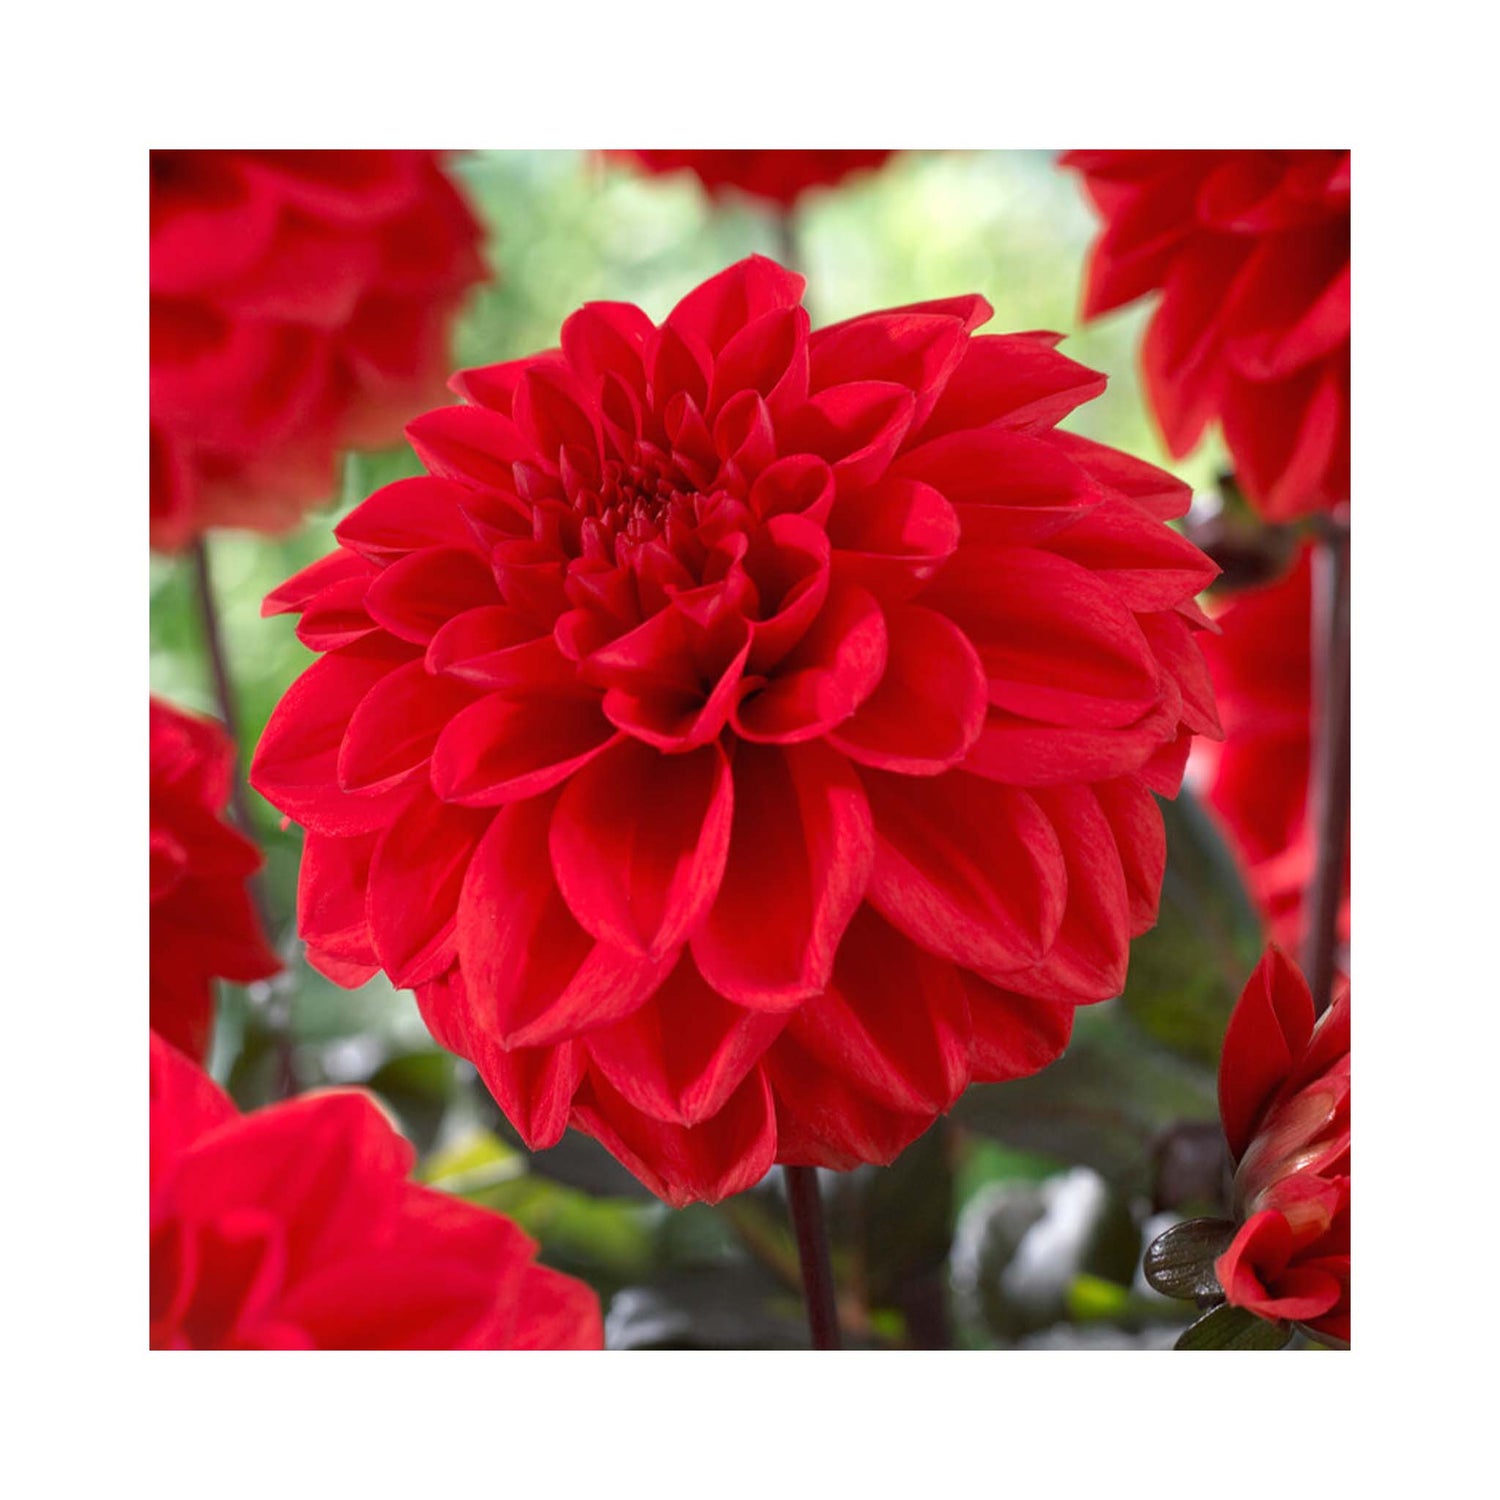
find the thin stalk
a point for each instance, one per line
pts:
(806, 1202)
(1328, 788)
(276, 1003)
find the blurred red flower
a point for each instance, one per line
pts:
(203, 925)
(1257, 778)
(300, 304)
(779, 177)
(1284, 1098)
(296, 1227)
(1250, 250)
(745, 737)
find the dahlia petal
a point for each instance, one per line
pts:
(1151, 489)
(800, 854)
(715, 311)
(638, 844)
(1089, 956)
(186, 1105)
(335, 571)
(833, 669)
(800, 484)
(823, 1121)
(331, 886)
(502, 749)
(917, 350)
(295, 763)
(966, 868)
(497, 646)
(682, 1055)
(336, 616)
(1148, 565)
(682, 1164)
(1172, 641)
(315, 278)
(1290, 439)
(429, 848)
(893, 1023)
(1179, 356)
(607, 338)
(198, 240)
(1255, 1274)
(494, 386)
(1292, 306)
(561, 1313)
(533, 1085)
(1057, 644)
(540, 977)
(470, 445)
(550, 408)
(404, 517)
(788, 563)
(1141, 838)
(1013, 1036)
(894, 537)
(1008, 489)
(1021, 752)
(767, 356)
(929, 707)
(395, 726)
(1018, 380)
(856, 428)
(1268, 1030)
(415, 596)
(1143, 235)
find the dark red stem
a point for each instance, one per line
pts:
(1328, 788)
(806, 1203)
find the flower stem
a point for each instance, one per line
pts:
(786, 240)
(1328, 790)
(277, 1005)
(806, 1203)
(218, 662)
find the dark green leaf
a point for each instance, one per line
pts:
(1234, 1328)
(1180, 1262)
(729, 1307)
(1101, 1105)
(1187, 972)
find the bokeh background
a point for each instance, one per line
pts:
(1019, 1220)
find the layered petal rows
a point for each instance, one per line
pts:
(297, 1227)
(1250, 252)
(742, 738)
(779, 177)
(301, 303)
(1284, 1098)
(203, 925)
(1257, 778)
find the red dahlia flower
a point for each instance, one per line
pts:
(300, 304)
(296, 1227)
(779, 177)
(1250, 250)
(1257, 778)
(203, 925)
(1284, 1098)
(743, 738)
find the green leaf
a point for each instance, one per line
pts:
(1101, 1105)
(1233, 1328)
(1180, 1261)
(1187, 972)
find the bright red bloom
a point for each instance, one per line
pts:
(1250, 250)
(203, 924)
(779, 177)
(1284, 1098)
(745, 737)
(1257, 778)
(297, 1227)
(301, 303)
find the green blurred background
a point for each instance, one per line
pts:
(945, 1247)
